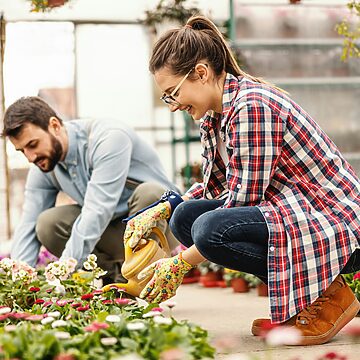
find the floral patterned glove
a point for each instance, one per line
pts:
(168, 275)
(141, 225)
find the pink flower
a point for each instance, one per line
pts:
(159, 309)
(95, 326)
(21, 315)
(352, 330)
(98, 292)
(4, 317)
(87, 296)
(34, 289)
(62, 302)
(35, 317)
(47, 303)
(39, 301)
(121, 301)
(83, 308)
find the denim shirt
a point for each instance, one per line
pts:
(101, 155)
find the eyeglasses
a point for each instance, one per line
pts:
(169, 99)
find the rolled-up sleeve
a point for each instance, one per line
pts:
(255, 140)
(40, 194)
(110, 155)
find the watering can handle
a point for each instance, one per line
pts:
(163, 241)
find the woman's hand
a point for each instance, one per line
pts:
(141, 225)
(168, 275)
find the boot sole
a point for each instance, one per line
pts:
(345, 318)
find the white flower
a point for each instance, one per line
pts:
(283, 335)
(62, 335)
(162, 320)
(87, 266)
(59, 323)
(132, 356)
(136, 325)
(54, 314)
(92, 258)
(4, 310)
(150, 314)
(113, 318)
(47, 320)
(108, 341)
(10, 327)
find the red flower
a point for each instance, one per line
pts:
(83, 308)
(87, 296)
(107, 302)
(75, 305)
(39, 301)
(64, 357)
(62, 302)
(34, 289)
(4, 317)
(357, 276)
(21, 315)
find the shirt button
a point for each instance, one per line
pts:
(272, 248)
(238, 186)
(267, 214)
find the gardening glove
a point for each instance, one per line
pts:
(168, 275)
(141, 225)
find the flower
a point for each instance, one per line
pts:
(83, 308)
(4, 310)
(136, 325)
(121, 301)
(62, 335)
(162, 320)
(283, 335)
(150, 314)
(39, 301)
(47, 320)
(108, 341)
(59, 323)
(54, 314)
(113, 318)
(95, 326)
(34, 289)
(87, 296)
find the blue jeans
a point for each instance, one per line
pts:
(236, 238)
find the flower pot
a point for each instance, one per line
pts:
(56, 3)
(191, 277)
(240, 285)
(262, 289)
(210, 279)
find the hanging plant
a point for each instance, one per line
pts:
(46, 5)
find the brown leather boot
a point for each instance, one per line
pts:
(260, 327)
(328, 314)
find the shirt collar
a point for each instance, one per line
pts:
(71, 155)
(231, 89)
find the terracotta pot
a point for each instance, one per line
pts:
(210, 279)
(56, 3)
(191, 277)
(262, 289)
(240, 285)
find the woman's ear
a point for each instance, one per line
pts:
(202, 71)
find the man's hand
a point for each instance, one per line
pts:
(168, 275)
(141, 225)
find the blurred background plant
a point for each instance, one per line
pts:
(351, 32)
(46, 5)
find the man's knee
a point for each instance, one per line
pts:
(45, 226)
(145, 194)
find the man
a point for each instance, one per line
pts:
(100, 165)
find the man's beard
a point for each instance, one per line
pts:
(55, 155)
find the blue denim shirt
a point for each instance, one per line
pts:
(101, 155)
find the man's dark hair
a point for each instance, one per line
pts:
(31, 109)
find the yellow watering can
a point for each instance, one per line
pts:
(138, 259)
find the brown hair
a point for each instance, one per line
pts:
(181, 49)
(30, 109)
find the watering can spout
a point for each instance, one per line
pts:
(137, 260)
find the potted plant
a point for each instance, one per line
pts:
(237, 280)
(255, 282)
(210, 273)
(353, 280)
(46, 5)
(168, 11)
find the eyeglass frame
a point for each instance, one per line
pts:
(169, 99)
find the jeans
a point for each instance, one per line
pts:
(236, 238)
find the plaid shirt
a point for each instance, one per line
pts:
(283, 163)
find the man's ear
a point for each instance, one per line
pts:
(54, 125)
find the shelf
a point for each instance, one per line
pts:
(353, 81)
(288, 43)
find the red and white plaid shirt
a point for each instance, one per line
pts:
(283, 163)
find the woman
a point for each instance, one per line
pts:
(278, 199)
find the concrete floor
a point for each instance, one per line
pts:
(228, 316)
